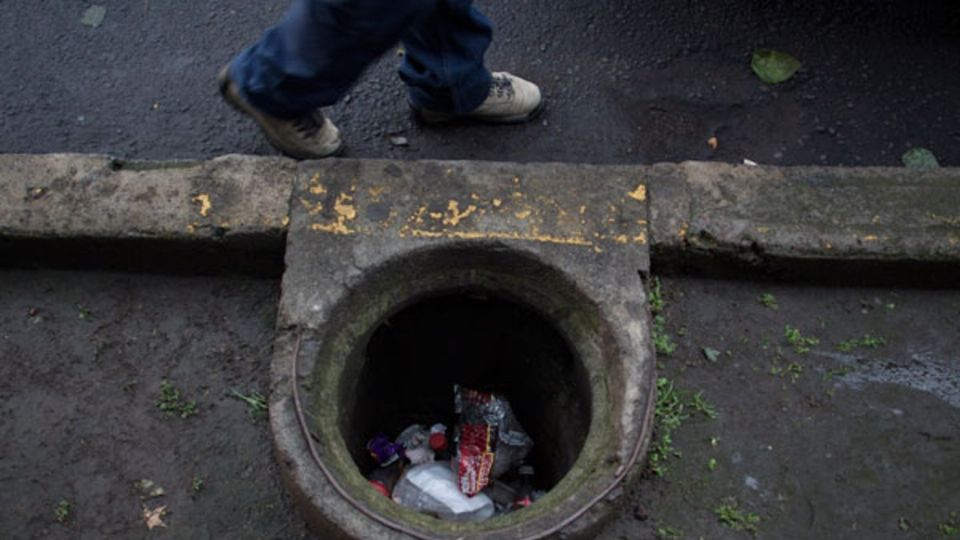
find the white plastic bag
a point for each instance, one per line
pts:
(432, 488)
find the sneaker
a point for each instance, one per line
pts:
(512, 100)
(312, 136)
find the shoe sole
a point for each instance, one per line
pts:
(430, 117)
(233, 98)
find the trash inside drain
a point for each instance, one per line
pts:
(472, 472)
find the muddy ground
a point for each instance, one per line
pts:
(822, 444)
(627, 81)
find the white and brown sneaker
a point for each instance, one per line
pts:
(512, 100)
(312, 136)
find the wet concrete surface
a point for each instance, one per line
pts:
(627, 81)
(823, 444)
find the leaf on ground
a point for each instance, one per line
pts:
(154, 517)
(711, 354)
(93, 16)
(148, 489)
(774, 66)
(920, 158)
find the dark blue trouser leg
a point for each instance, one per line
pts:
(321, 47)
(443, 66)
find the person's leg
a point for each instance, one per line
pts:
(443, 65)
(319, 49)
(446, 77)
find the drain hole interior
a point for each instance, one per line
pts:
(481, 341)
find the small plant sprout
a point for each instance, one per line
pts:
(172, 403)
(800, 343)
(768, 301)
(701, 405)
(868, 341)
(656, 300)
(872, 342)
(62, 511)
(661, 339)
(730, 515)
(197, 484)
(847, 346)
(712, 464)
(836, 372)
(950, 527)
(256, 403)
(668, 533)
(670, 413)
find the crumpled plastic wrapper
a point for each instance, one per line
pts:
(488, 429)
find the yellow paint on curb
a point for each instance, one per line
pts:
(344, 207)
(455, 216)
(639, 194)
(205, 204)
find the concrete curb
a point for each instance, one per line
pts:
(705, 217)
(83, 210)
(805, 221)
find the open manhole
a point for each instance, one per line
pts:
(396, 342)
(482, 341)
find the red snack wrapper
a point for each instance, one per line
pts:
(476, 457)
(381, 487)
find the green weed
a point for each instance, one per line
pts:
(847, 346)
(731, 516)
(792, 370)
(670, 413)
(800, 343)
(171, 402)
(256, 403)
(950, 527)
(769, 301)
(661, 339)
(657, 302)
(701, 405)
(62, 511)
(836, 372)
(668, 533)
(712, 464)
(197, 484)
(868, 341)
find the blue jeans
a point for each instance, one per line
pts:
(321, 47)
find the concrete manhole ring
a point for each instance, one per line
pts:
(395, 344)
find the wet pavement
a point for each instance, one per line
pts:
(854, 443)
(627, 82)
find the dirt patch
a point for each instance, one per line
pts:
(84, 358)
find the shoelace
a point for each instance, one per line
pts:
(501, 87)
(309, 124)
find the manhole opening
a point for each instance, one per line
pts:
(482, 341)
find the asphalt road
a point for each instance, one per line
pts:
(628, 81)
